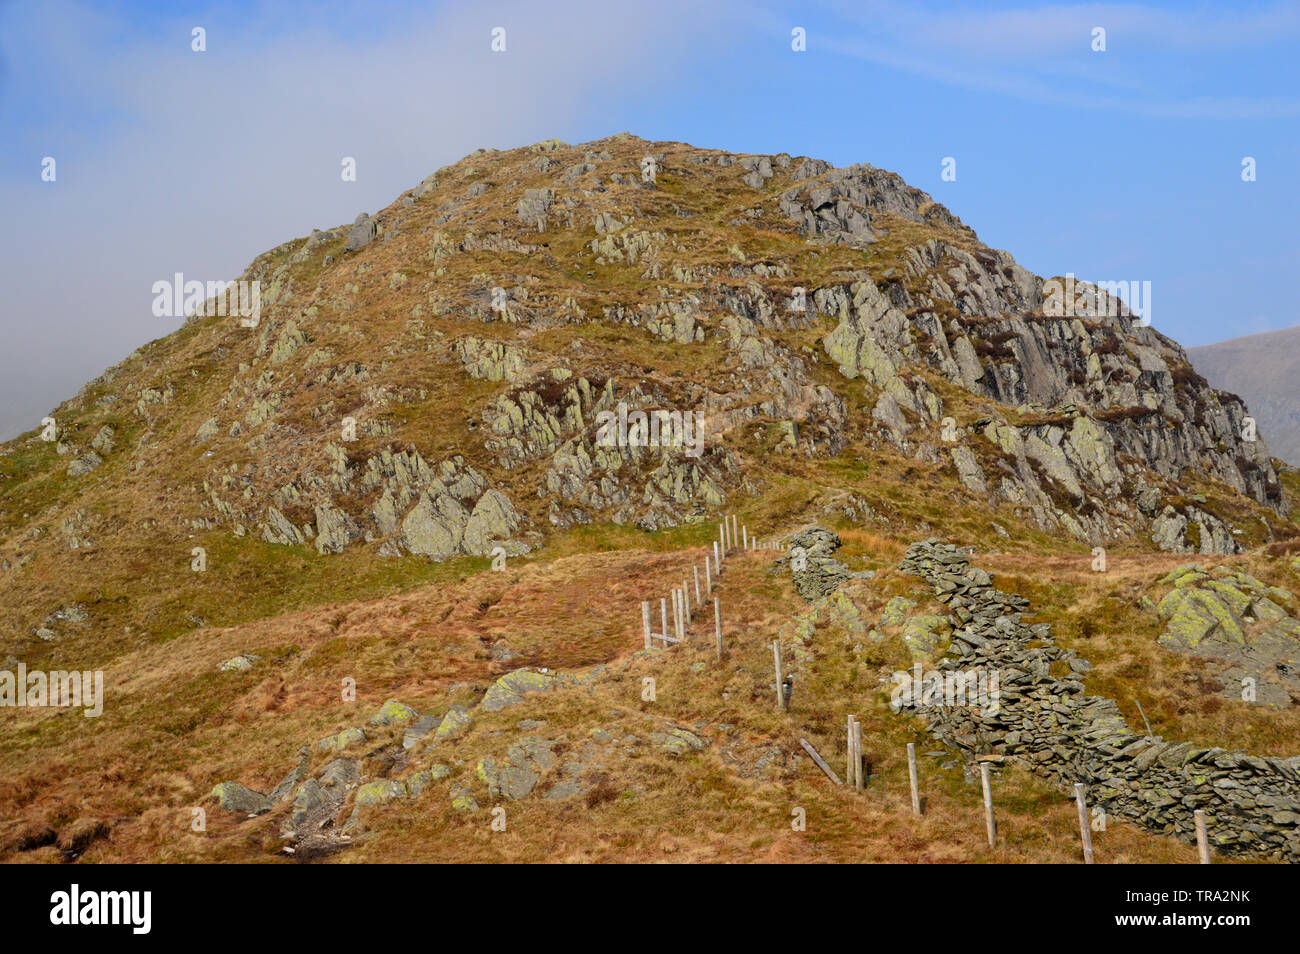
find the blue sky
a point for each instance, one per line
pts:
(1115, 165)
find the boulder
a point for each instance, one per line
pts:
(435, 527)
(241, 663)
(392, 712)
(927, 636)
(512, 687)
(456, 721)
(237, 798)
(308, 798)
(508, 780)
(896, 610)
(84, 464)
(279, 529)
(103, 441)
(380, 792)
(362, 231)
(420, 728)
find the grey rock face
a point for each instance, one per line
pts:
(493, 519)
(759, 169)
(968, 470)
(837, 205)
(295, 777)
(1103, 390)
(435, 527)
(532, 208)
(1194, 531)
(362, 232)
(335, 529)
(278, 529)
(419, 729)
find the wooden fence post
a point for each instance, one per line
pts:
(821, 763)
(1085, 830)
(1144, 717)
(858, 781)
(849, 774)
(663, 613)
(677, 613)
(708, 576)
(780, 681)
(686, 602)
(1202, 839)
(699, 600)
(912, 779)
(645, 621)
(717, 622)
(744, 538)
(989, 823)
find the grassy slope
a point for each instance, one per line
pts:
(570, 612)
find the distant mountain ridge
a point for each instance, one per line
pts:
(1264, 369)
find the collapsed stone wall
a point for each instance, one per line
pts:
(812, 564)
(1044, 719)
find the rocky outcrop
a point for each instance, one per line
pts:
(328, 804)
(438, 512)
(84, 464)
(1089, 392)
(1227, 615)
(363, 230)
(837, 205)
(491, 360)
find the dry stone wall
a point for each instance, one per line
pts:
(1045, 719)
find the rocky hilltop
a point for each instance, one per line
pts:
(564, 362)
(778, 272)
(429, 380)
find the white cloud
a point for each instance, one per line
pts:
(1042, 53)
(170, 160)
